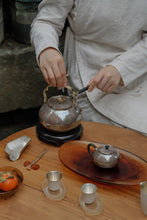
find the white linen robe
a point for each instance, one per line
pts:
(101, 33)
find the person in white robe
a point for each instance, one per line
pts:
(105, 48)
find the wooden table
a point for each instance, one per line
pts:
(119, 202)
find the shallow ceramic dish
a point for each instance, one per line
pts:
(15, 148)
(18, 174)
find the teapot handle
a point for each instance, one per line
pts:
(73, 93)
(91, 145)
(44, 93)
(67, 87)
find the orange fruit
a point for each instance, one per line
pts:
(8, 181)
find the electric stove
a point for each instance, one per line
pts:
(58, 138)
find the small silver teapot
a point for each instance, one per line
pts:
(59, 113)
(105, 156)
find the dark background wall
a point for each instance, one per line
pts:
(7, 17)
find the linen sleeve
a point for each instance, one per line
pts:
(133, 63)
(48, 24)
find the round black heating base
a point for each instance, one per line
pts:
(58, 138)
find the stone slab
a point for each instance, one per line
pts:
(21, 81)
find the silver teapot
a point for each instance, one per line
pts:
(59, 113)
(105, 156)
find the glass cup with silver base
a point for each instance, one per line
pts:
(90, 200)
(53, 187)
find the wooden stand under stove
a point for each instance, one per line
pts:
(119, 202)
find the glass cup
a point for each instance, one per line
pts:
(88, 193)
(143, 197)
(54, 178)
(53, 187)
(90, 200)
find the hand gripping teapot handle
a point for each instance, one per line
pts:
(88, 148)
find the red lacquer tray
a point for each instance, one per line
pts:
(130, 170)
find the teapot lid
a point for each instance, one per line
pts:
(60, 102)
(106, 149)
